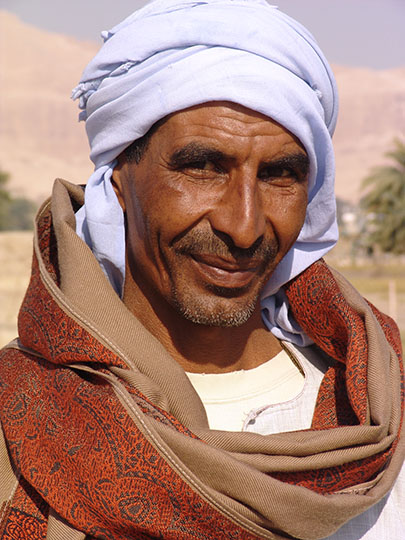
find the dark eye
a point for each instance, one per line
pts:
(280, 175)
(201, 167)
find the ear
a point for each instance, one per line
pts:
(118, 179)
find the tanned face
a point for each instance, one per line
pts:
(215, 203)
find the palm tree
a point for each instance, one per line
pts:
(384, 203)
(4, 199)
(16, 213)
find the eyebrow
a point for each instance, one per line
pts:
(194, 152)
(298, 160)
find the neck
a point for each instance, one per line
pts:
(199, 348)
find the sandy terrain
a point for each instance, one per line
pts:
(15, 264)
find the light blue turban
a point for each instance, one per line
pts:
(173, 54)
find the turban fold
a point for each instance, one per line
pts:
(171, 55)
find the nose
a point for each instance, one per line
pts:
(239, 213)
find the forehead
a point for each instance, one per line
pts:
(227, 124)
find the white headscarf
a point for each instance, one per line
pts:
(173, 54)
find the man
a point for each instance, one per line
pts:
(146, 396)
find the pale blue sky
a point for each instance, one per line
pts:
(368, 33)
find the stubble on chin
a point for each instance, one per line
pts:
(215, 311)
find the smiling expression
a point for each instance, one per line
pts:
(215, 203)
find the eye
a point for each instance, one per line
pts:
(201, 165)
(279, 175)
(202, 168)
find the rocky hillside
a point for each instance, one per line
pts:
(40, 137)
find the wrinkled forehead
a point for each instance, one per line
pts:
(208, 113)
(225, 121)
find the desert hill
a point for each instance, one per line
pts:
(40, 137)
(372, 114)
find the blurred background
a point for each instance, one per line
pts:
(45, 45)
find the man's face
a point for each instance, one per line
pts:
(211, 209)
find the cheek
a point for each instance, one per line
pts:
(174, 205)
(286, 213)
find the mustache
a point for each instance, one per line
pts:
(197, 242)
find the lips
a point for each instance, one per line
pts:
(226, 273)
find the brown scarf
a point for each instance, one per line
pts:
(105, 430)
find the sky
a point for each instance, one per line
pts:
(363, 33)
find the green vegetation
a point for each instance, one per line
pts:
(384, 203)
(16, 213)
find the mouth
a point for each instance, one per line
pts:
(226, 273)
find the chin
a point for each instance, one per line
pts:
(224, 311)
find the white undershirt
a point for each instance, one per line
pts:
(228, 398)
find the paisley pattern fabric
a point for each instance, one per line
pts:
(87, 443)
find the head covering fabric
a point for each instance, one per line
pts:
(171, 55)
